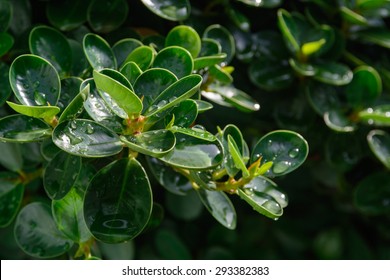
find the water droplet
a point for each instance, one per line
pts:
(257, 156)
(269, 142)
(161, 104)
(198, 127)
(173, 98)
(90, 129)
(73, 125)
(370, 121)
(281, 166)
(272, 206)
(74, 140)
(293, 153)
(370, 110)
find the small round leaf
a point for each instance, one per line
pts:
(175, 59)
(175, 10)
(186, 37)
(98, 52)
(224, 38)
(105, 16)
(67, 15)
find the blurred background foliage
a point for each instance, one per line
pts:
(320, 68)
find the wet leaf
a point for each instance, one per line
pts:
(124, 47)
(118, 201)
(76, 106)
(11, 195)
(224, 38)
(131, 71)
(333, 73)
(43, 112)
(186, 37)
(36, 232)
(105, 16)
(175, 10)
(379, 143)
(143, 56)
(338, 121)
(378, 115)
(175, 59)
(98, 52)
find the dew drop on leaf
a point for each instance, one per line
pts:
(293, 153)
(281, 166)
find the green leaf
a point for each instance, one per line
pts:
(187, 207)
(338, 121)
(86, 138)
(171, 180)
(207, 61)
(21, 20)
(98, 110)
(286, 149)
(70, 87)
(44, 112)
(151, 83)
(98, 52)
(143, 56)
(303, 69)
(372, 194)
(20, 128)
(239, 162)
(60, 175)
(194, 153)
(11, 195)
(186, 37)
(68, 215)
(352, 16)
(118, 201)
(105, 16)
(175, 59)
(196, 131)
(220, 74)
(123, 96)
(175, 93)
(34, 81)
(333, 73)
(203, 179)
(67, 15)
(175, 10)
(5, 15)
(185, 113)
(270, 75)
(379, 36)
(50, 44)
(263, 195)
(11, 156)
(263, 3)
(131, 71)
(124, 47)
(220, 207)
(323, 97)
(48, 149)
(6, 43)
(239, 19)
(5, 88)
(80, 64)
(365, 87)
(36, 232)
(289, 30)
(224, 38)
(379, 143)
(203, 106)
(378, 115)
(310, 48)
(76, 106)
(154, 143)
(237, 98)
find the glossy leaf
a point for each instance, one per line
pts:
(98, 110)
(36, 232)
(186, 37)
(68, 215)
(289, 30)
(239, 19)
(333, 73)
(203, 106)
(34, 81)
(185, 113)
(124, 47)
(20, 128)
(303, 69)
(6, 43)
(118, 201)
(372, 193)
(194, 153)
(76, 106)
(323, 97)
(86, 138)
(224, 38)
(175, 10)
(70, 88)
(175, 59)
(220, 74)
(286, 149)
(151, 83)
(352, 16)
(107, 15)
(270, 75)
(60, 175)
(207, 61)
(154, 143)
(377, 36)
(263, 3)
(262, 194)
(175, 93)
(203, 179)
(11, 156)
(171, 180)
(196, 131)
(11, 195)
(123, 96)
(80, 64)
(220, 207)
(143, 56)
(338, 121)
(50, 44)
(237, 98)
(365, 87)
(379, 143)
(239, 162)
(378, 115)
(44, 112)
(67, 15)
(131, 71)
(98, 52)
